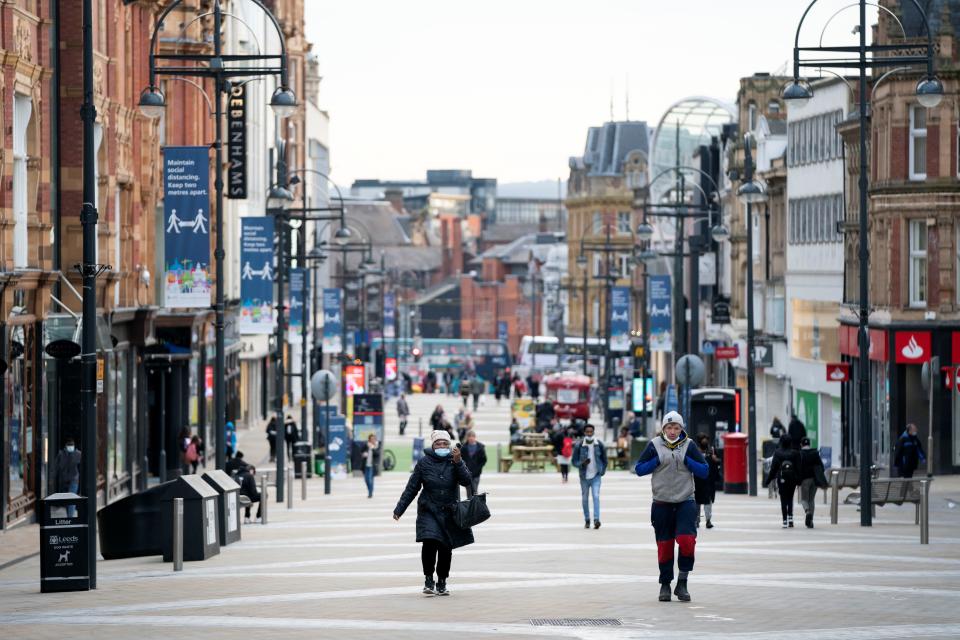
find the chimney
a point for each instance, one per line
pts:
(395, 198)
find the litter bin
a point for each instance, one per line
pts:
(64, 543)
(228, 507)
(734, 463)
(131, 527)
(199, 518)
(302, 454)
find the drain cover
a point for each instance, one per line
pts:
(575, 622)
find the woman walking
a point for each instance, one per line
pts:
(371, 459)
(437, 478)
(785, 471)
(705, 489)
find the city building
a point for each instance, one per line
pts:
(482, 192)
(914, 227)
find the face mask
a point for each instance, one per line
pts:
(70, 448)
(589, 439)
(671, 440)
(443, 453)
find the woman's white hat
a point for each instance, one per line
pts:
(439, 435)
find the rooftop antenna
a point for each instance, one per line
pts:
(612, 119)
(627, 97)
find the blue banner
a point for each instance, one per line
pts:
(256, 275)
(620, 319)
(299, 294)
(389, 316)
(339, 446)
(186, 212)
(502, 331)
(332, 321)
(658, 310)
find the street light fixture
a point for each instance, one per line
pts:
(752, 192)
(720, 233)
(342, 236)
(797, 93)
(929, 91)
(223, 69)
(644, 231)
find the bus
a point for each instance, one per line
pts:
(485, 358)
(543, 353)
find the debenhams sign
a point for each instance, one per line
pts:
(237, 142)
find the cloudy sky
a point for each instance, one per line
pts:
(508, 87)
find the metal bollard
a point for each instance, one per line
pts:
(303, 481)
(421, 428)
(834, 496)
(163, 465)
(178, 534)
(925, 512)
(289, 487)
(499, 456)
(263, 499)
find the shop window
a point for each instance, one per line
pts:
(918, 263)
(918, 143)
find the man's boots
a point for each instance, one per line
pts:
(681, 591)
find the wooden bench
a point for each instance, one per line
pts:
(532, 458)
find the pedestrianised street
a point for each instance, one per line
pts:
(338, 566)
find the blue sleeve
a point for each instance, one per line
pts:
(648, 460)
(696, 463)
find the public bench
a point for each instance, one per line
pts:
(898, 491)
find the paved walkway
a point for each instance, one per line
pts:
(338, 567)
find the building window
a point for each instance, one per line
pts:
(22, 112)
(623, 222)
(624, 265)
(752, 116)
(918, 143)
(597, 222)
(918, 263)
(773, 107)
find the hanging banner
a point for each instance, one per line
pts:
(237, 142)
(620, 319)
(299, 303)
(503, 332)
(332, 321)
(658, 310)
(389, 316)
(256, 275)
(186, 208)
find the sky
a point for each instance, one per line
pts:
(507, 88)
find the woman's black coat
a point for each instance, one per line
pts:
(439, 478)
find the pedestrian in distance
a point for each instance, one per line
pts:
(248, 487)
(909, 453)
(291, 433)
(193, 454)
(674, 462)
(183, 442)
(811, 477)
(371, 460)
(533, 386)
(477, 388)
(796, 431)
(436, 418)
(705, 489)
(498, 387)
(475, 456)
(272, 437)
(235, 464)
(67, 471)
(403, 412)
(564, 454)
(777, 429)
(466, 388)
(785, 471)
(590, 456)
(437, 477)
(466, 425)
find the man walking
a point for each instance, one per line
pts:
(475, 455)
(909, 452)
(67, 472)
(590, 456)
(403, 411)
(811, 477)
(674, 461)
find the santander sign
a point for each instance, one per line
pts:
(912, 347)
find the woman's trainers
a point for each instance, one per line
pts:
(442, 588)
(784, 523)
(428, 586)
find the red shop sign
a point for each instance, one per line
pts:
(912, 347)
(955, 347)
(850, 345)
(727, 353)
(838, 372)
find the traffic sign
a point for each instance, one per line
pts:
(323, 385)
(691, 371)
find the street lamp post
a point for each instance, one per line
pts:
(750, 193)
(929, 93)
(152, 103)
